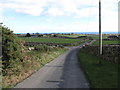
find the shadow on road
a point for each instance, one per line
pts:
(72, 75)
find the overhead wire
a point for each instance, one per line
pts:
(89, 15)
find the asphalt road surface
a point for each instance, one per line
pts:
(63, 72)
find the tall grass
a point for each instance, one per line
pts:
(33, 60)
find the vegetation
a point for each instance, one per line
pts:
(50, 40)
(106, 42)
(99, 76)
(19, 62)
(11, 48)
(33, 61)
(72, 35)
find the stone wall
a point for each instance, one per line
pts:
(110, 52)
(51, 44)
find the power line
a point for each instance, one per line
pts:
(89, 15)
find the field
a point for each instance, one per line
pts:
(74, 35)
(49, 40)
(99, 76)
(105, 42)
(96, 36)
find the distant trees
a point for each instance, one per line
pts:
(28, 35)
(54, 35)
(37, 33)
(40, 35)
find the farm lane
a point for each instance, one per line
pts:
(63, 72)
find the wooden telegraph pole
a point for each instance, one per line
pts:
(100, 34)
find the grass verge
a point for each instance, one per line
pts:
(34, 60)
(99, 76)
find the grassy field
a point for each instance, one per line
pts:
(49, 40)
(74, 35)
(99, 76)
(105, 42)
(97, 36)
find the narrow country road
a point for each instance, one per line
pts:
(63, 72)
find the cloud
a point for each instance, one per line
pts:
(31, 9)
(77, 9)
(34, 11)
(55, 12)
(57, 7)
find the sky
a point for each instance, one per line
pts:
(47, 16)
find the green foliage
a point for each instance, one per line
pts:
(28, 35)
(50, 40)
(43, 48)
(10, 47)
(99, 76)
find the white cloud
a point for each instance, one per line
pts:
(55, 12)
(35, 11)
(78, 8)
(36, 7)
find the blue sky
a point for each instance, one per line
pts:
(45, 16)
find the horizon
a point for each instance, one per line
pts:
(72, 32)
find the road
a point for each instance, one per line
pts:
(63, 72)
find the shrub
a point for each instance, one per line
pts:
(42, 48)
(11, 50)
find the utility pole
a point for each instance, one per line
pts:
(100, 33)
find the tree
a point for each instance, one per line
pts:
(40, 35)
(54, 35)
(28, 35)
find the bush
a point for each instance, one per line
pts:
(11, 50)
(45, 48)
(42, 48)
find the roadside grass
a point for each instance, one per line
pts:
(0, 82)
(99, 76)
(105, 42)
(49, 40)
(34, 60)
(0, 74)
